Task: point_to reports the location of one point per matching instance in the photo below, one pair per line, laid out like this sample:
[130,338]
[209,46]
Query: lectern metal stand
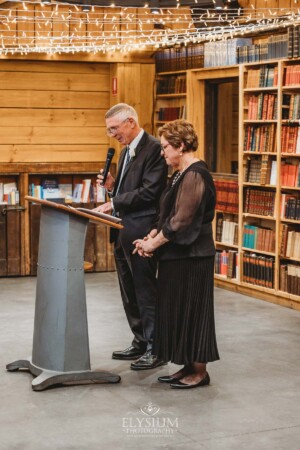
[60,340]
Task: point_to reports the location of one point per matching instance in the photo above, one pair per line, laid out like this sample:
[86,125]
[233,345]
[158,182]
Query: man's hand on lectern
[105,208]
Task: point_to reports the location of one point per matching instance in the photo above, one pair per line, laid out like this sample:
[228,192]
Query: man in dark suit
[134,194]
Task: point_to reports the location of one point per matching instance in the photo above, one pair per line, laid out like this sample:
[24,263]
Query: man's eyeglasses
[112,131]
[163,147]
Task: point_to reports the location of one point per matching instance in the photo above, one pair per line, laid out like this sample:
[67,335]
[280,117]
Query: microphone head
[110,153]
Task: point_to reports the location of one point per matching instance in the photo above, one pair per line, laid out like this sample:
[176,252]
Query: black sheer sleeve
[184,224]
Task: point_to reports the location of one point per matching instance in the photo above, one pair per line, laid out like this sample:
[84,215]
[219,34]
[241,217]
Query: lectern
[60,351]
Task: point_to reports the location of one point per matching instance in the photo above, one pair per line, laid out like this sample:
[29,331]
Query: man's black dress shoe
[180,385]
[147,361]
[167,379]
[127,354]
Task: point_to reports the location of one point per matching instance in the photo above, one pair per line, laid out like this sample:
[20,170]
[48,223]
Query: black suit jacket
[141,186]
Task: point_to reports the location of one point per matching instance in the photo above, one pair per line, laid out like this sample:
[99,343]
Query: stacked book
[226,263]
[171,85]
[290,174]
[227,231]
[258,270]
[260,138]
[274,47]
[290,139]
[291,75]
[259,202]
[259,238]
[291,106]
[262,107]
[171,113]
[227,195]
[290,207]
[264,76]
[290,278]
[223,53]
[290,242]
[179,58]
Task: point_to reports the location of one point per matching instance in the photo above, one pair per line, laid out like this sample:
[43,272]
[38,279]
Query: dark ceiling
[210,4]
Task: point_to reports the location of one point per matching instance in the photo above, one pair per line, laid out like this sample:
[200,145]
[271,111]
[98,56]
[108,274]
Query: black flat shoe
[180,385]
[167,379]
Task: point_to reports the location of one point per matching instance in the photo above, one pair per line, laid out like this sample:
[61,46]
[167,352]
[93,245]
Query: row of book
[9,194]
[179,58]
[259,202]
[291,106]
[227,196]
[228,52]
[290,278]
[259,238]
[261,170]
[171,85]
[262,106]
[223,53]
[260,138]
[267,76]
[275,47]
[290,207]
[293,41]
[84,192]
[258,270]
[227,231]
[290,138]
[290,241]
[290,174]
[264,76]
[226,263]
[291,75]
[171,113]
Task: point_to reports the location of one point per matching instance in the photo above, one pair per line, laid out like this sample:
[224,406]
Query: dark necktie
[125,164]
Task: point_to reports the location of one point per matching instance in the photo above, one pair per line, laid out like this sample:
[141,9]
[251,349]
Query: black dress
[184,325]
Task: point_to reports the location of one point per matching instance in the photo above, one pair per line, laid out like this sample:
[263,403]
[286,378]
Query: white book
[77,193]
[86,184]
[273,175]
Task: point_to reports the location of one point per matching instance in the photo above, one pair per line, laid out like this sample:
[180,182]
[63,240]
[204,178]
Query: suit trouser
[138,285]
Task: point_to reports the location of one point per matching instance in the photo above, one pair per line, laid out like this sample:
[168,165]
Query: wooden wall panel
[53,99]
[53,112]
[52,135]
[53,82]
[52,153]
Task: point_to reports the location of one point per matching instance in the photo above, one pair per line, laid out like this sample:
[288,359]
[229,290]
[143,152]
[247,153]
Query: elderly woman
[183,243]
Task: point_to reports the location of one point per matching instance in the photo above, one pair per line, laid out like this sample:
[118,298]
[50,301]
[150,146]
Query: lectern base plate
[49,378]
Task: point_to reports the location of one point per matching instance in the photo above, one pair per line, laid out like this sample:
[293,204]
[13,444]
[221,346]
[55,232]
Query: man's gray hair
[122,110]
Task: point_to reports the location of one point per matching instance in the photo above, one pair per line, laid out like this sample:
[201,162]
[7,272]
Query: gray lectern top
[93,216]
[60,353]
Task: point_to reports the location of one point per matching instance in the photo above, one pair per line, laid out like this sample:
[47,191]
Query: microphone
[109,157]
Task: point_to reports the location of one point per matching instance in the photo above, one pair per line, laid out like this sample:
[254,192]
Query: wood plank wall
[53,111]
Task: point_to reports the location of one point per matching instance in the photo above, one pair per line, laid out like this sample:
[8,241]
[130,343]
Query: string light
[62,28]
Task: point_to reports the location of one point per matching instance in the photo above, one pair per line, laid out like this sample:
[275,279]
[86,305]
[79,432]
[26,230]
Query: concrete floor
[253,401]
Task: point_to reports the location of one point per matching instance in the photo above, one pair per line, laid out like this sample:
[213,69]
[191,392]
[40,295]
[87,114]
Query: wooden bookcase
[170,97]
[269,122]
[256,165]
[19,224]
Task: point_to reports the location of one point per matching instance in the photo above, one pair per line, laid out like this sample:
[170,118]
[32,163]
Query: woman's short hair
[122,110]
[178,132]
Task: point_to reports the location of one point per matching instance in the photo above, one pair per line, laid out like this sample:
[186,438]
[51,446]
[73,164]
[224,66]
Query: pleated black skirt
[184,324]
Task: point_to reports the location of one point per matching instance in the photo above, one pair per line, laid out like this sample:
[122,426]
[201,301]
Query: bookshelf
[10,225]
[226,228]
[19,223]
[269,177]
[170,97]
